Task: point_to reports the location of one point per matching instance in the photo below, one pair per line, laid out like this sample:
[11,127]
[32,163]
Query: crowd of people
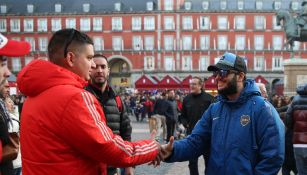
[73,122]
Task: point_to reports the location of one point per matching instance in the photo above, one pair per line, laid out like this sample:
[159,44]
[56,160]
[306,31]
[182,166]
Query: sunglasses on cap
[223,73]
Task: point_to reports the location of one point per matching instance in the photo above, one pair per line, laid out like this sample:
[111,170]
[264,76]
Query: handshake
[165,150]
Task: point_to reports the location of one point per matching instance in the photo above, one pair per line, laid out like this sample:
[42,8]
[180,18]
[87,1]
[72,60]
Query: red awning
[261,79]
[185,84]
[145,82]
[210,84]
[169,82]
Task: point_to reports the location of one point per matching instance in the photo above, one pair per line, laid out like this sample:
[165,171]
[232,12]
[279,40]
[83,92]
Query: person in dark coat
[114,109]
[296,121]
[171,114]
[193,107]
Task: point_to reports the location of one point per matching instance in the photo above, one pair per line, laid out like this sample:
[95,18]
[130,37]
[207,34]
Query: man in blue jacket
[242,130]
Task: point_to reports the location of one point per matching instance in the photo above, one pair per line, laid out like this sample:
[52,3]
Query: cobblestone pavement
[140,131]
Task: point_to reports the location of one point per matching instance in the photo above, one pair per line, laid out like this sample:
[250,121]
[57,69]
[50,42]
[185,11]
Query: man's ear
[241,76]
[70,59]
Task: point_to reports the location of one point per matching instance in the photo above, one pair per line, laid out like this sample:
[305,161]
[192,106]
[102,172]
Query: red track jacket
[63,128]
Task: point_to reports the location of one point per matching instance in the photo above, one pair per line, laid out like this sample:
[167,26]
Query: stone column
[295,72]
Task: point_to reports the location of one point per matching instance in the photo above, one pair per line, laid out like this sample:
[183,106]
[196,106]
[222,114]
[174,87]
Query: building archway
[120,72]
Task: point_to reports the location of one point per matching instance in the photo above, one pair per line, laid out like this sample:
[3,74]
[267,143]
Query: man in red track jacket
[63,128]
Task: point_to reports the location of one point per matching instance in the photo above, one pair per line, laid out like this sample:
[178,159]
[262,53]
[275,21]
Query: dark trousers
[170,129]
[289,162]
[193,165]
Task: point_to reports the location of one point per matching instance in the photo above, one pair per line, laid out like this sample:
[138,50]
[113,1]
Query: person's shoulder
[207,95]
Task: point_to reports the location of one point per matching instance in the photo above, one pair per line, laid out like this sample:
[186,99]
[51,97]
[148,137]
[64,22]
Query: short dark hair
[200,80]
[101,56]
[64,39]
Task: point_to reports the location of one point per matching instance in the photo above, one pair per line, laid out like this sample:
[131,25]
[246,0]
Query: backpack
[119,103]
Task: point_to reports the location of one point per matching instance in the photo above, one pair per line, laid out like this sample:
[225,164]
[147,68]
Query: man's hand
[167,149]
[164,152]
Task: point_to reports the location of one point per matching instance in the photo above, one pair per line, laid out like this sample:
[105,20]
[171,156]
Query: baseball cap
[229,61]
[13,48]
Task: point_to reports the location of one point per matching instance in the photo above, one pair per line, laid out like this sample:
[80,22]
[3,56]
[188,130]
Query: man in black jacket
[193,107]
[113,107]
[8,48]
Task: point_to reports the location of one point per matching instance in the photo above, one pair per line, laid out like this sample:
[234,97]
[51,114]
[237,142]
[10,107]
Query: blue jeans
[301,160]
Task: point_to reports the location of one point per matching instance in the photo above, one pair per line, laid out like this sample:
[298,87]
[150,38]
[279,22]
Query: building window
[97,24]
[205,5]
[222,22]
[240,42]
[97,43]
[28,60]
[259,5]
[85,24]
[204,22]
[294,5]
[149,63]
[187,23]
[149,6]
[187,5]
[187,63]
[277,42]
[137,43]
[58,8]
[204,62]
[169,23]
[56,24]
[32,42]
[136,23]
[205,42]
[277,63]
[277,5]
[259,63]
[260,23]
[169,63]
[149,42]
[168,4]
[42,25]
[15,25]
[240,4]
[239,23]
[223,4]
[187,42]
[259,42]
[275,26]
[43,43]
[149,23]
[86,7]
[71,23]
[16,64]
[296,45]
[168,42]
[3,25]
[222,42]
[30,8]
[117,24]
[28,25]
[117,43]
[3,9]
[118,6]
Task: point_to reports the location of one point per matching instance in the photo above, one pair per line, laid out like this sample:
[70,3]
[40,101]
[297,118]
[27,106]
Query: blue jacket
[245,136]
